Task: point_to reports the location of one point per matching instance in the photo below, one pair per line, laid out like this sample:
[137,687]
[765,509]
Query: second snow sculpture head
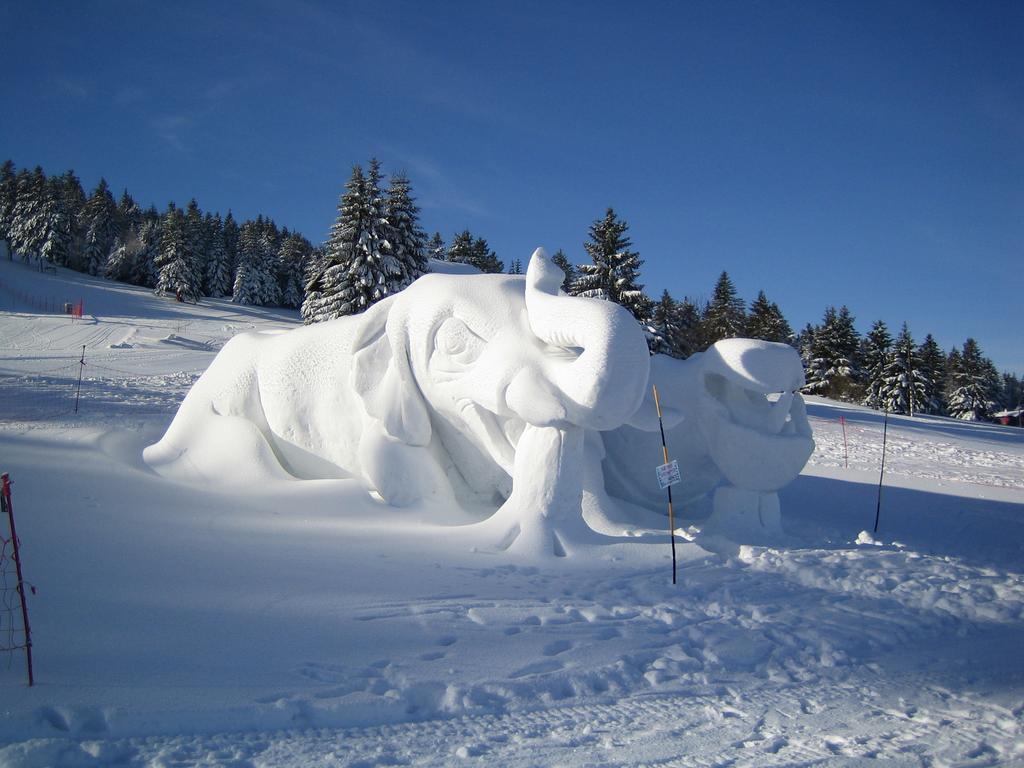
[427,393]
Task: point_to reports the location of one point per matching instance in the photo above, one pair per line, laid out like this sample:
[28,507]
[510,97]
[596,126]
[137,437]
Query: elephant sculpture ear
[383,379]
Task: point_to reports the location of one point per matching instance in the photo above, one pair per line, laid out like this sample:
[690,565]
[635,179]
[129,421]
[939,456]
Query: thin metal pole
[81,367]
[671,514]
[9,508]
[881,474]
[846,452]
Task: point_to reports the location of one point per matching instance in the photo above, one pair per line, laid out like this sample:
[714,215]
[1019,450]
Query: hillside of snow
[308,624]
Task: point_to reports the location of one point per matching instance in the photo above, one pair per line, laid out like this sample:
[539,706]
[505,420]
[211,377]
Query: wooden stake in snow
[881,474]
[668,486]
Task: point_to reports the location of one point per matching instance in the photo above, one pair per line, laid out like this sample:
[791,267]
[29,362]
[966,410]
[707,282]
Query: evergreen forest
[377,246]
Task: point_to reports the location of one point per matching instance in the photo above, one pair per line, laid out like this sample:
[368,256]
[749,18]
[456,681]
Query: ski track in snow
[820,650]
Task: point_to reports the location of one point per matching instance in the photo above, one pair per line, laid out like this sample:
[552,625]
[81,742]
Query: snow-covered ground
[305,624]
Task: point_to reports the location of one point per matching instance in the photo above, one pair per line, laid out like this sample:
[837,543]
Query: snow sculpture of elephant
[737,425]
[464,387]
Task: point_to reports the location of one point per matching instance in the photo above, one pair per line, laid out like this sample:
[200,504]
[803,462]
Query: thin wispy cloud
[434,188]
[172,130]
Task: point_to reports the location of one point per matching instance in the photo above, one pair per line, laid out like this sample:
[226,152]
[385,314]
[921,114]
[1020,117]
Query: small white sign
[668,474]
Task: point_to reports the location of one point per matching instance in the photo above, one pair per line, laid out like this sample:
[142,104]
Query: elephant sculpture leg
[542,516]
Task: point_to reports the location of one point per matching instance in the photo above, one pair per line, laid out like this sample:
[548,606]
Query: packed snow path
[177,625]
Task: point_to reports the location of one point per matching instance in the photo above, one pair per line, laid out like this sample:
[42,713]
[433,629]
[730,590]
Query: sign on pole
[668,474]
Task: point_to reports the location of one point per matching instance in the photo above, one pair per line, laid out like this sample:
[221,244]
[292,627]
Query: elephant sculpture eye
[456,344]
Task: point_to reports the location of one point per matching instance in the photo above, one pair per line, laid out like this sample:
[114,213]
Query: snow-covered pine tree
[832,369]
[28,228]
[293,259]
[196,238]
[1012,393]
[219,279]
[904,387]
[176,268]
[436,248]
[130,214]
[8,199]
[348,278]
[875,351]
[725,316]
[485,259]
[973,384]
[101,225]
[269,245]
[562,261]
[249,279]
[766,322]
[145,271]
[73,200]
[231,235]
[688,339]
[123,258]
[461,249]
[408,240]
[933,367]
[615,270]
[664,331]
[57,235]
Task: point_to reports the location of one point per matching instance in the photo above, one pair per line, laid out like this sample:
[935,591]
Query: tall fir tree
[875,351]
[1011,396]
[358,263]
[465,249]
[563,263]
[101,224]
[231,235]
[196,235]
[328,279]
[129,212]
[832,369]
[933,367]
[516,267]
[268,245]
[460,251]
[904,388]
[766,322]
[293,259]
[256,269]
[218,277]
[484,258]
[177,275]
[408,240]
[73,200]
[28,227]
[665,331]
[436,248]
[725,316]
[688,318]
[614,272]
[8,199]
[144,270]
[972,383]
[57,233]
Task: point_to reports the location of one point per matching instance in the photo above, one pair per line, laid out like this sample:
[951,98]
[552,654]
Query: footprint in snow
[557,647]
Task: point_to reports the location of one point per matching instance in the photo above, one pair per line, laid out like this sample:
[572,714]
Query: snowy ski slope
[304,624]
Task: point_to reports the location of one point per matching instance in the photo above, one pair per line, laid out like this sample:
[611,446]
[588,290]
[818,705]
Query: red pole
[6,480]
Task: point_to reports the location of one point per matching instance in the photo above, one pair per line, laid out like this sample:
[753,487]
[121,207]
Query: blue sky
[863,153]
